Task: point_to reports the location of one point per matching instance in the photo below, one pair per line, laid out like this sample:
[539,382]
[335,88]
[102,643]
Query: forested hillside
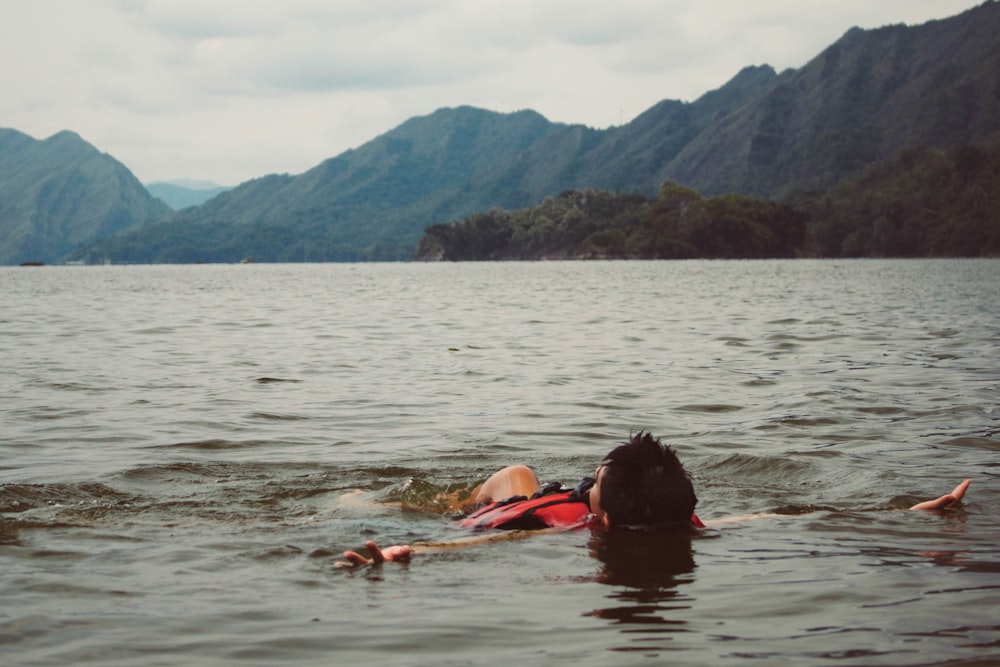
[862,101]
[803,137]
[925,203]
[62,192]
[590,224]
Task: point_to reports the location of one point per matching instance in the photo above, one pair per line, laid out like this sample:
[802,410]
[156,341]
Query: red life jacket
[556,510]
[567,509]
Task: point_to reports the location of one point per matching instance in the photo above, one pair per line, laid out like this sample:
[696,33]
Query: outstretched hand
[399,553]
[947,501]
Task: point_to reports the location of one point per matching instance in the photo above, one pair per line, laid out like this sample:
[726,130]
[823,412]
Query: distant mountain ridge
[860,102]
[184,193]
[373,202]
[59,193]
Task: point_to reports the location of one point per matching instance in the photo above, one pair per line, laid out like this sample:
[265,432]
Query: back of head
[644,484]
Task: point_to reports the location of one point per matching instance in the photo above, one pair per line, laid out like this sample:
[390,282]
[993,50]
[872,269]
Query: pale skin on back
[519,480]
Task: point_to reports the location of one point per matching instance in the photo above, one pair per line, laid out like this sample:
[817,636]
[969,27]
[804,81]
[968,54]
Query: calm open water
[179,446]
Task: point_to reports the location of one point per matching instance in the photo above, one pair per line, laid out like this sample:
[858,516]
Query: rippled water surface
[185,450]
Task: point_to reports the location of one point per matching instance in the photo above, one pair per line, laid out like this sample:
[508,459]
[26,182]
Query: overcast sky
[228,90]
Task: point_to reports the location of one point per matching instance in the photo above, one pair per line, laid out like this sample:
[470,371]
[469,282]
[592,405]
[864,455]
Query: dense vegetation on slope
[679,223]
[62,192]
[928,202]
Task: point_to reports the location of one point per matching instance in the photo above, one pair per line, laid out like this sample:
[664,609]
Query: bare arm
[947,501]
[403,552]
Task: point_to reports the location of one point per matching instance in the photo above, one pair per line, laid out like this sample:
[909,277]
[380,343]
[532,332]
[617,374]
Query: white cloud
[233,89]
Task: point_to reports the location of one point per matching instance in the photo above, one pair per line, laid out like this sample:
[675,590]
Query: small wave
[270,416]
[747,465]
[16,498]
[808,421]
[159,471]
[270,380]
[215,444]
[760,382]
[709,407]
[152,331]
[974,442]
[276,553]
[881,410]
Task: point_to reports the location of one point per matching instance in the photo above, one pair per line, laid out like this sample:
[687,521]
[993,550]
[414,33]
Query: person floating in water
[639,484]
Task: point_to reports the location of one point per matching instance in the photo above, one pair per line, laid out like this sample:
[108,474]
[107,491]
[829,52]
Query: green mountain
[62,192]
[860,102]
[372,203]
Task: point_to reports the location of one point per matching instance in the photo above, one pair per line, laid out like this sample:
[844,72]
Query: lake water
[180,448]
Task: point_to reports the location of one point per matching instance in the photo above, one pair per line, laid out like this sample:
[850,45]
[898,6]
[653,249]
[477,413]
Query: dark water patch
[154,331]
[734,341]
[272,380]
[11,527]
[57,554]
[821,338]
[711,408]
[276,553]
[216,444]
[77,591]
[79,387]
[324,552]
[601,405]
[984,567]
[760,382]
[160,386]
[880,410]
[808,421]
[49,413]
[974,442]
[180,472]
[9,532]
[22,497]
[271,416]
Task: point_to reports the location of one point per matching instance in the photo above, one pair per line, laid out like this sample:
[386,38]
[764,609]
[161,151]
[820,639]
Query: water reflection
[645,570]
[640,559]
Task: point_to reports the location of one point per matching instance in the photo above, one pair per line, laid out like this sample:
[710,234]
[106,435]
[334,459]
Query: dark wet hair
[645,485]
